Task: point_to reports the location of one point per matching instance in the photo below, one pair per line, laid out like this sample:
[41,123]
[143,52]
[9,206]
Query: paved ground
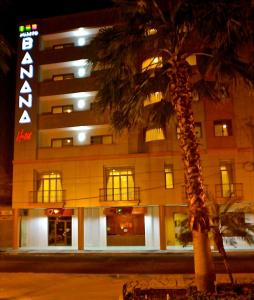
[116,263]
[30,286]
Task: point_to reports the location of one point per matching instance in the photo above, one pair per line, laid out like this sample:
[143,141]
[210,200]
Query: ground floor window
[125,228]
[59,231]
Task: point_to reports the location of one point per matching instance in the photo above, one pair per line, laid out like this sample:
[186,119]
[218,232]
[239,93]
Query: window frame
[62,108]
[62,142]
[222,122]
[47,193]
[120,194]
[171,173]
[100,138]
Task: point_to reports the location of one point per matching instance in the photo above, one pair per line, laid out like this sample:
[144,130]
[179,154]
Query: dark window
[101,139]
[61,46]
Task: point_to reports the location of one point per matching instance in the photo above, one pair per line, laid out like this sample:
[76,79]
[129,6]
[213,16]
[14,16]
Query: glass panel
[67,142]
[57,109]
[50,188]
[169,177]
[60,231]
[107,139]
[151,63]
[226,180]
[222,128]
[56,143]
[153,98]
[67,108]
[154,134]
[96,139]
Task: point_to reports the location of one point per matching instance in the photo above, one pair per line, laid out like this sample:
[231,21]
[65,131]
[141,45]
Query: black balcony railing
[227,191]
[51,196]
[120,194]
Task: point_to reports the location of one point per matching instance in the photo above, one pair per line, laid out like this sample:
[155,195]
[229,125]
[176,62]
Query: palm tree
[150,49]
[227,220]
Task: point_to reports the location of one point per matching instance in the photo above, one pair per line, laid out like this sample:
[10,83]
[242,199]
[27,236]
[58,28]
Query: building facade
[79,185]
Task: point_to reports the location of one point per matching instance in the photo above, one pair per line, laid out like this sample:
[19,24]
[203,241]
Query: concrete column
[16,228]
[81,228]
[162,227]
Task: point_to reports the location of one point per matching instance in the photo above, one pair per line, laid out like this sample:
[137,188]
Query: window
[50,188]
[152,63]
[154,134]
[226,174]
[119,184]
[169,180]
[153,98]
[222,128]
[62,142]
[61,46]
[62,109]
[101,139]
[198,130]
[151,31]
[63,77]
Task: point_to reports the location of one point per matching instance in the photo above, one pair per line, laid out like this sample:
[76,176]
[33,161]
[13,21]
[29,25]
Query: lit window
[198,130]
[169,183]
[192,60]
[151,31]
[101,139]
[226,174]
[62,109]
[222,128]
[120,184]
[154,134]
[50,188]
[60,77]
[62,142]
[153,98]
[152,63]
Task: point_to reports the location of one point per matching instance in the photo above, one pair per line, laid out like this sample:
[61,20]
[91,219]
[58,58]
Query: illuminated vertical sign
[26,74]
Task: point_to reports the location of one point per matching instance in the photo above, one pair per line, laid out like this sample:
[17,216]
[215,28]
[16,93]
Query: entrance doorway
[59,233]
[125,227]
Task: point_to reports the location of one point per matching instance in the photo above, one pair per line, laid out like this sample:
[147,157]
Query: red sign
[23,135]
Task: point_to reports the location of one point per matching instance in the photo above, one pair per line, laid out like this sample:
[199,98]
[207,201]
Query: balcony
[120,194]
[52,197]
[224,192]
[77,118]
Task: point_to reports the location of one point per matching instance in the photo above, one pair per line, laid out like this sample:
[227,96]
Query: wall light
[81,104]
[81,41]
[81,72]
[81,137]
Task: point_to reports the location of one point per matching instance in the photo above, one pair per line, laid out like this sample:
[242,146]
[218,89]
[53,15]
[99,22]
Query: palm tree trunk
[181,96]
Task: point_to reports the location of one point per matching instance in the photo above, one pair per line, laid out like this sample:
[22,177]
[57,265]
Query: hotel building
[79,185]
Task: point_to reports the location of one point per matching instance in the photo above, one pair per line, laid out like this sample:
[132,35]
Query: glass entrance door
[59,233]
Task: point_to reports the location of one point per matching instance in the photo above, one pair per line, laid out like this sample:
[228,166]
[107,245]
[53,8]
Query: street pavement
[85,262]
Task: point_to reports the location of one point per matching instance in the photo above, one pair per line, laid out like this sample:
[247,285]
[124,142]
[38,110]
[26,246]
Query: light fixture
[81,137]
[81,103]
[81,72]
[81,41]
